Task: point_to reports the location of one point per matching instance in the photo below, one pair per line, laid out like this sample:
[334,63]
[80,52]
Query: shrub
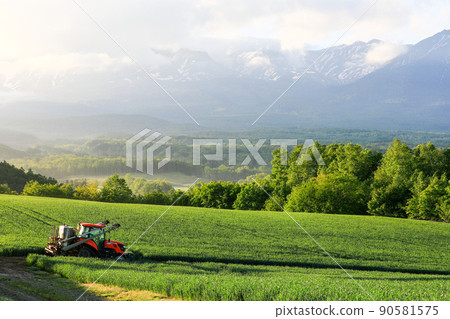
[331,194]
[33,188]
[87,192]
[4,189]
[179,198]
[251,197]
[154,197]
[215,194]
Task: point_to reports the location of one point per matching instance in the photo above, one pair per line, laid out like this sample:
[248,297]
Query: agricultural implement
[90,242]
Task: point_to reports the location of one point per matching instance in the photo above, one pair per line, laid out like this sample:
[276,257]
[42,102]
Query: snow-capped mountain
[344,63]
[187,65]
[435,49]
[339,64]
[371,84]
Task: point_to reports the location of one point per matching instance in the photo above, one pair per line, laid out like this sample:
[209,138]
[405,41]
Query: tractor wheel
[128,256]
[86,252]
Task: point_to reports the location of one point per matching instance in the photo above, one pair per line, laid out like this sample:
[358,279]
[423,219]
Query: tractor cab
[96,232]
[87,230]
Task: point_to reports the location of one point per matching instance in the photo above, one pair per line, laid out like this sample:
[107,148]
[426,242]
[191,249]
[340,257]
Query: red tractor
[90,242]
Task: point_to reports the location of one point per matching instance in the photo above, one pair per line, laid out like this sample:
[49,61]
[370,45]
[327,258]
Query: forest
[403,182]
[13,179]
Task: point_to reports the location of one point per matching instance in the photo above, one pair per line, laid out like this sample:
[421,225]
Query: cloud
[255,60]
[56,76]
[53,63]
[36,28]
[52,36]
[384,52]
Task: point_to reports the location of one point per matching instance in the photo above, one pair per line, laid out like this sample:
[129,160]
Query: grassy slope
[196,234]
[216,281]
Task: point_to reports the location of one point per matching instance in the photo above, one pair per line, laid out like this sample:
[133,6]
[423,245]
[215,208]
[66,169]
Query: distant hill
[91,126]
[14,137]
[7,152]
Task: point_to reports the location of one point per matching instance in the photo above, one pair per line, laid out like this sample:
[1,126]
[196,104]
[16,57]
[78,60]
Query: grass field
[217,281]
[198,234]
[207,247]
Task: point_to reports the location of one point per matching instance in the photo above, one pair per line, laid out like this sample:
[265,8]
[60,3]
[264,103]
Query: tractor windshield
[95,231]
[99,239]
[88,232]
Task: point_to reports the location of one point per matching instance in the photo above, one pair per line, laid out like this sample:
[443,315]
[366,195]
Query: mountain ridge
[375,85]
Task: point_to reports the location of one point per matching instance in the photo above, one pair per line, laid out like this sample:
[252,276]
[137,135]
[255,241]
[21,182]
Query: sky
[51,27]
[54,36]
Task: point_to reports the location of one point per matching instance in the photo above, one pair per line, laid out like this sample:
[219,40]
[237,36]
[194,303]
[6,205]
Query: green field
[227,254]
[217,281]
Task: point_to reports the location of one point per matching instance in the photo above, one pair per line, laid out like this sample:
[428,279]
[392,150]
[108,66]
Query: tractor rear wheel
[127,256]
[86,252]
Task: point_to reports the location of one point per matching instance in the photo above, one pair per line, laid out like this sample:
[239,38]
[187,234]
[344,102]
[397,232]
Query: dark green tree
[278,182]
[215,194]
[179,198]
[251,197]
[352,159]
[392,183]
[16,178]
[444,206]
[154,197]
[299,173]
[428,201]
[431,160]
[116,190]
[330,194]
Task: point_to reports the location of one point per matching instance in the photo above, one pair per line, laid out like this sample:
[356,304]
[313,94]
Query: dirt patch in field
[14,268]
[19,281]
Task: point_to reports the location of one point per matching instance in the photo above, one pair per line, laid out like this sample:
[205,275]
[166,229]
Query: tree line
[61,166]
[403,182]
[13,179]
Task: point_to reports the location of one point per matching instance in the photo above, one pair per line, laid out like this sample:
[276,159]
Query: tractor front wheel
[86,252]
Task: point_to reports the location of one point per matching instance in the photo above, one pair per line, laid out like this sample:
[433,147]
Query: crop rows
[245,237]
[216,281]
